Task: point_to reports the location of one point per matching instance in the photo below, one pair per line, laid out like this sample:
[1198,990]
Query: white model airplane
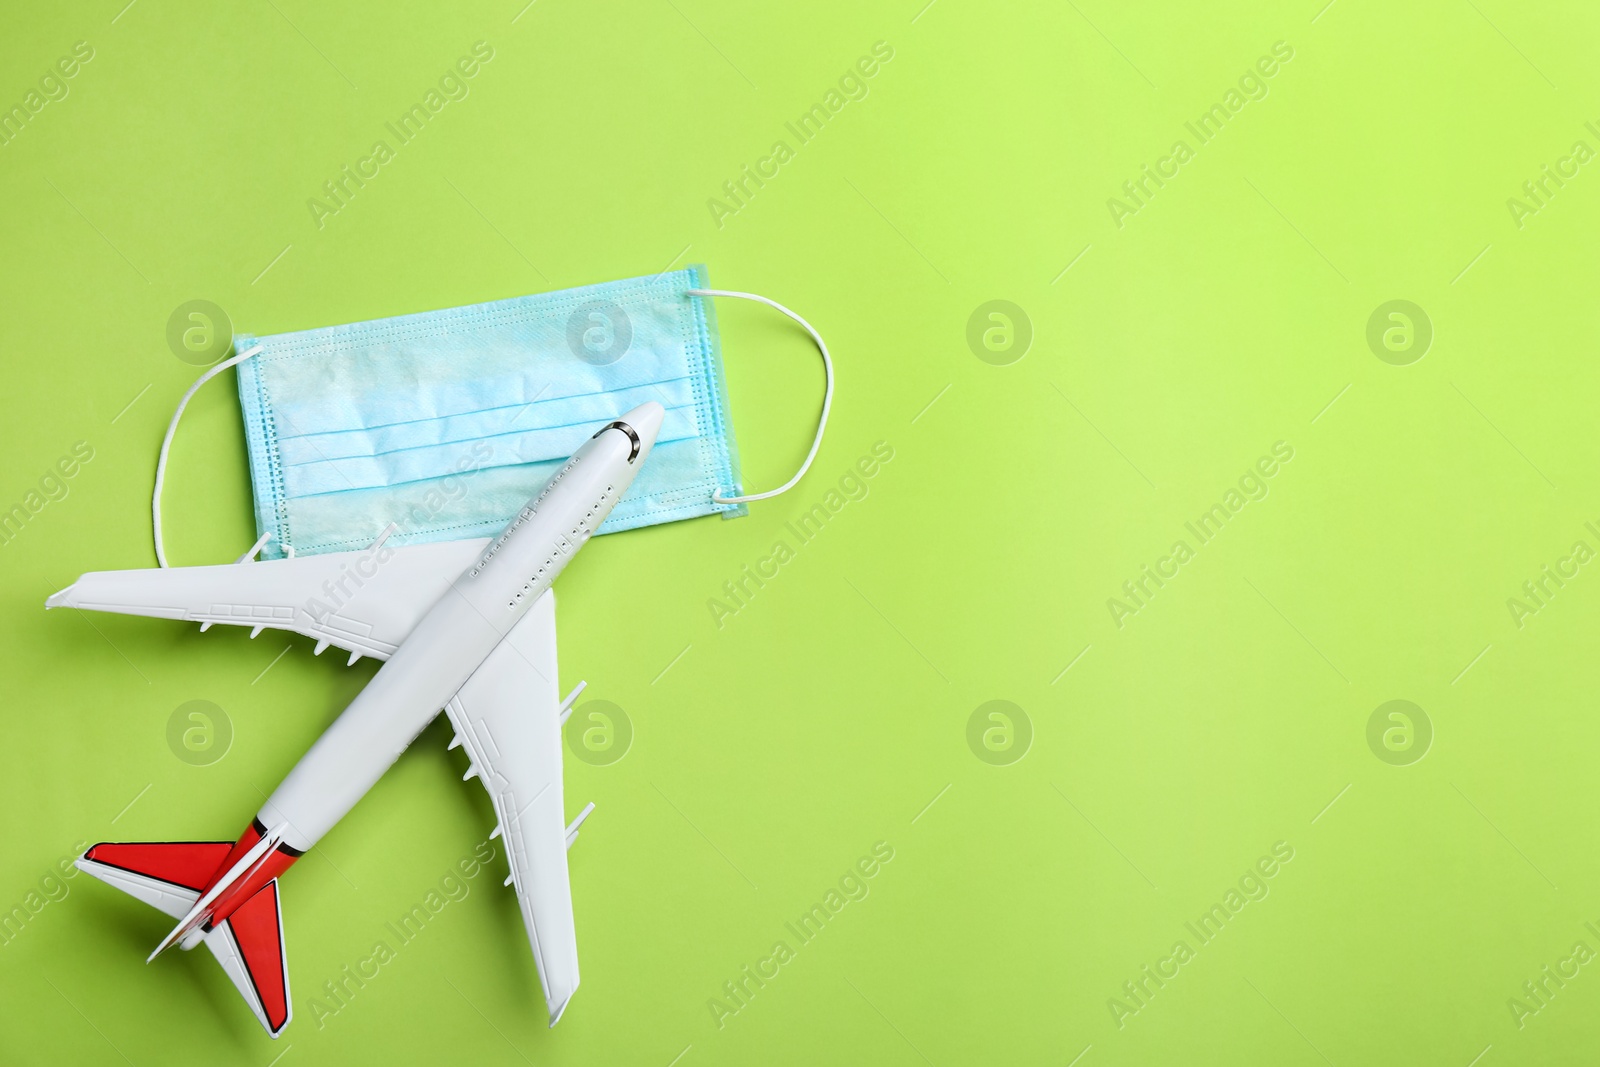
[467,626]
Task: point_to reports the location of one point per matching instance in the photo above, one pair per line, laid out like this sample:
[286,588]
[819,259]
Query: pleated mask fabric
[444,423]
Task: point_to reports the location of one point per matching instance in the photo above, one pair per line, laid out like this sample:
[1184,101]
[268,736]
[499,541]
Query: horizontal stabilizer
[167,875]
[249,945]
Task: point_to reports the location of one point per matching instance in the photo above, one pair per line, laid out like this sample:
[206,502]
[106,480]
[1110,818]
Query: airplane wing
[508,717]
[365,602]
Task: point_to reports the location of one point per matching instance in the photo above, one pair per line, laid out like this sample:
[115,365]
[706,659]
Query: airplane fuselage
[448,644]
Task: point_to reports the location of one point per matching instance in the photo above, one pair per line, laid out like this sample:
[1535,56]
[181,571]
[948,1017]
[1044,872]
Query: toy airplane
[467,626]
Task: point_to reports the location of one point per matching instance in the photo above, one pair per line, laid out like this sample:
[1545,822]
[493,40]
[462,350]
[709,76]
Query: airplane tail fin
[170,876]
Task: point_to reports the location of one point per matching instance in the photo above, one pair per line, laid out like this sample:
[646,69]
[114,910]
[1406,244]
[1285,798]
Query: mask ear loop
[166,445]
[827,396]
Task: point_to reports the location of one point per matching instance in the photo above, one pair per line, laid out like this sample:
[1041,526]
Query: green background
[831,713]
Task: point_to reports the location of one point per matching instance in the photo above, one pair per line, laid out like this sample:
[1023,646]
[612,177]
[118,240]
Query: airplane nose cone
[646,421]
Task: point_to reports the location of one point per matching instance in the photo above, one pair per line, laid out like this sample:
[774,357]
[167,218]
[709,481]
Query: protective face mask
[439,426]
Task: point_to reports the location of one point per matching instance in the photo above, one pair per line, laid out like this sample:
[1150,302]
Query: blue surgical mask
[442,424]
